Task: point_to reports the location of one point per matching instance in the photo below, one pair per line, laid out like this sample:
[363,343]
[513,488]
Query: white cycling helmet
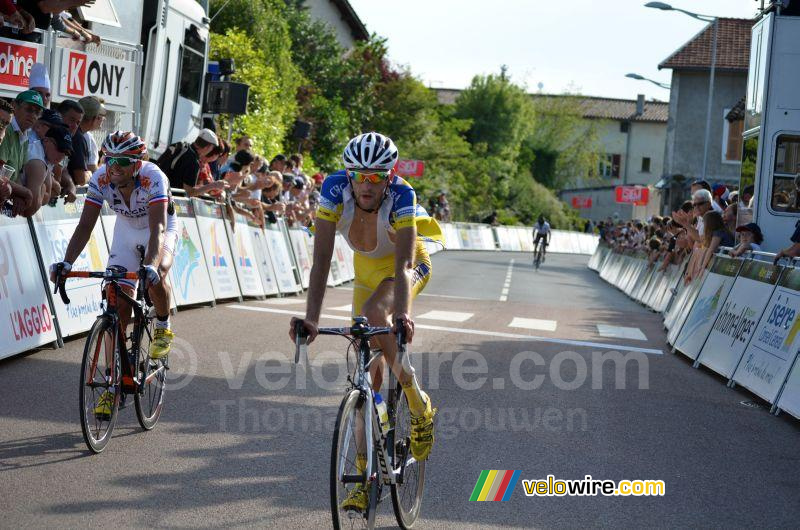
[370,151]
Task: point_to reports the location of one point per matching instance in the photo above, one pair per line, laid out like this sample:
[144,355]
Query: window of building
[646,164]
[732,139]
[609,166]
[624,126]
[786,174]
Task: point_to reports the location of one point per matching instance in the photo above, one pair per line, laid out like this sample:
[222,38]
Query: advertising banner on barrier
[300,247]
[217,251]
[25,319]
[87,74]
[244,258]
[739,316]
[345,256]
[775,342]
[189,275]
[789,399]
[281,260]
[54,228]
[708,304]
[261,251]
[16,59]
[452,239]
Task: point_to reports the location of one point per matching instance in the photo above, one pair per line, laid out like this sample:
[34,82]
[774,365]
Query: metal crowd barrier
[741,319]
[216,258]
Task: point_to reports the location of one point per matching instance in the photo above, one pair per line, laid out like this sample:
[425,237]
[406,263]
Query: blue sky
[584,45]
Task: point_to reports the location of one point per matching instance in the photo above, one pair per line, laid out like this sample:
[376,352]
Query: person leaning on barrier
[77,167]
[38,174]
[751,239]
[17,17]
[28,107]
[181,163]
[10,189]
[793,250]
[270,197]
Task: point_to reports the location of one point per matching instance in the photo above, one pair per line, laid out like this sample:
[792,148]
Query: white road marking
[507,284]
[619,332]
[533,323]
[347,307]
[423,294]
[449,316]
[283,301]
[533,338]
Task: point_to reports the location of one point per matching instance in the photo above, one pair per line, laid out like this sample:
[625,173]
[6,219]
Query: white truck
[150,67]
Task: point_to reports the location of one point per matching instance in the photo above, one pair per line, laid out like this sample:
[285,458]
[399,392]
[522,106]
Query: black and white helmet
[370,151]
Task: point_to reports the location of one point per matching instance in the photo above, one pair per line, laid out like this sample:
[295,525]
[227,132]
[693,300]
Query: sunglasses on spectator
[375,178]
[32,109]
[121,161]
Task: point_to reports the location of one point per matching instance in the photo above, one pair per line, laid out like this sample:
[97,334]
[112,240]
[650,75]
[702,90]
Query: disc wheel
[100,371]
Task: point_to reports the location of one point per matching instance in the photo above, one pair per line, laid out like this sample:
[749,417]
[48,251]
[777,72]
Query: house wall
[687,124]
[326,11]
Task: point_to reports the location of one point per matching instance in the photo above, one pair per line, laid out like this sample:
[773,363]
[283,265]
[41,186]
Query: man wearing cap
[37,176]
[55,146]
[181,163]
[40,82]
[94,114]
[28,106]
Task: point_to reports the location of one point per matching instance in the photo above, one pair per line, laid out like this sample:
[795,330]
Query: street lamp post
[643,78]
[714,23]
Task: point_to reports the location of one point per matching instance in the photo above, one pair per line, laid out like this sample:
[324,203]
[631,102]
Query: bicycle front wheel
[348,442]
[99,389]
[407,492]
[150,401]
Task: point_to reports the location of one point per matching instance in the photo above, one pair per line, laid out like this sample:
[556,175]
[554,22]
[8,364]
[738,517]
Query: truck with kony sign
[149,68]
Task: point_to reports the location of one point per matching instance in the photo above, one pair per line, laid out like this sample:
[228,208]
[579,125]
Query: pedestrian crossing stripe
[495,485]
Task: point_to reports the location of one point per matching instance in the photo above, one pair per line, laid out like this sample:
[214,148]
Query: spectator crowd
[711,220]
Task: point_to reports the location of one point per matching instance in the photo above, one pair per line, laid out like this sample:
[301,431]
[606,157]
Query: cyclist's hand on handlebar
[408,324]
[65,268]
[311,329]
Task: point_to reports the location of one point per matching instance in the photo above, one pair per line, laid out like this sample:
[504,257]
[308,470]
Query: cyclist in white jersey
[138,192]
[541,231]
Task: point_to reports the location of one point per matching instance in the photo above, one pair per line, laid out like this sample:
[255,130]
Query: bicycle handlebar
[359,329]
[108,274]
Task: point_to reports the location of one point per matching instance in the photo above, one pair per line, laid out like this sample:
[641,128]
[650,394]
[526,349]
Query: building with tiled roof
[684,148]
[733,48]
[632,151]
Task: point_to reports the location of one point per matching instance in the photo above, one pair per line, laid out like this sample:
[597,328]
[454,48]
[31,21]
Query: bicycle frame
[373,434]
[112,291]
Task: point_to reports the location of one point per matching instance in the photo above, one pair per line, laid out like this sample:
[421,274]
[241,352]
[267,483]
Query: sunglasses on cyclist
[121,161]
[375,178]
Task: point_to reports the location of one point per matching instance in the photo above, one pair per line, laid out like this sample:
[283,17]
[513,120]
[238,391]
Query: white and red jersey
[151,186]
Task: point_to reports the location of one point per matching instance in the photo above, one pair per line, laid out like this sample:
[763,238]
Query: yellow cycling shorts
[370,272]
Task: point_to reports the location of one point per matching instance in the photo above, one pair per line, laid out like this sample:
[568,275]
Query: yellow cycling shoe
[104,406]
[422,431]
[357,500]
[162,342]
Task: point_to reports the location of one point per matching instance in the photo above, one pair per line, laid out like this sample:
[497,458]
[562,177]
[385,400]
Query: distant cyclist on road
[378,215]
[138,192]
[541,231]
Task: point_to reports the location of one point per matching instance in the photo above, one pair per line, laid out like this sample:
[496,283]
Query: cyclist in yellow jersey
[378,215]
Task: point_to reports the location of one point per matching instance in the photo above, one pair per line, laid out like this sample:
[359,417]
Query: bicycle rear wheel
[100,371]
[343,477]
[407,492]
[150,402]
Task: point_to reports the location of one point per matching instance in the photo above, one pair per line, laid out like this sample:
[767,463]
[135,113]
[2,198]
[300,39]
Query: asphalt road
[245,437]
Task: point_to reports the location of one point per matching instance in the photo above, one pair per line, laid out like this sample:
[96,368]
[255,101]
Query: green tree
[500,112]
[271,108]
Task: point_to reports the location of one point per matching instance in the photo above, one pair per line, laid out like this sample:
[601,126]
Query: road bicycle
[389,460]
[116,364]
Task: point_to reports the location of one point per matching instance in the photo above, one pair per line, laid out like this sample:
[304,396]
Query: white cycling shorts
[123,249]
